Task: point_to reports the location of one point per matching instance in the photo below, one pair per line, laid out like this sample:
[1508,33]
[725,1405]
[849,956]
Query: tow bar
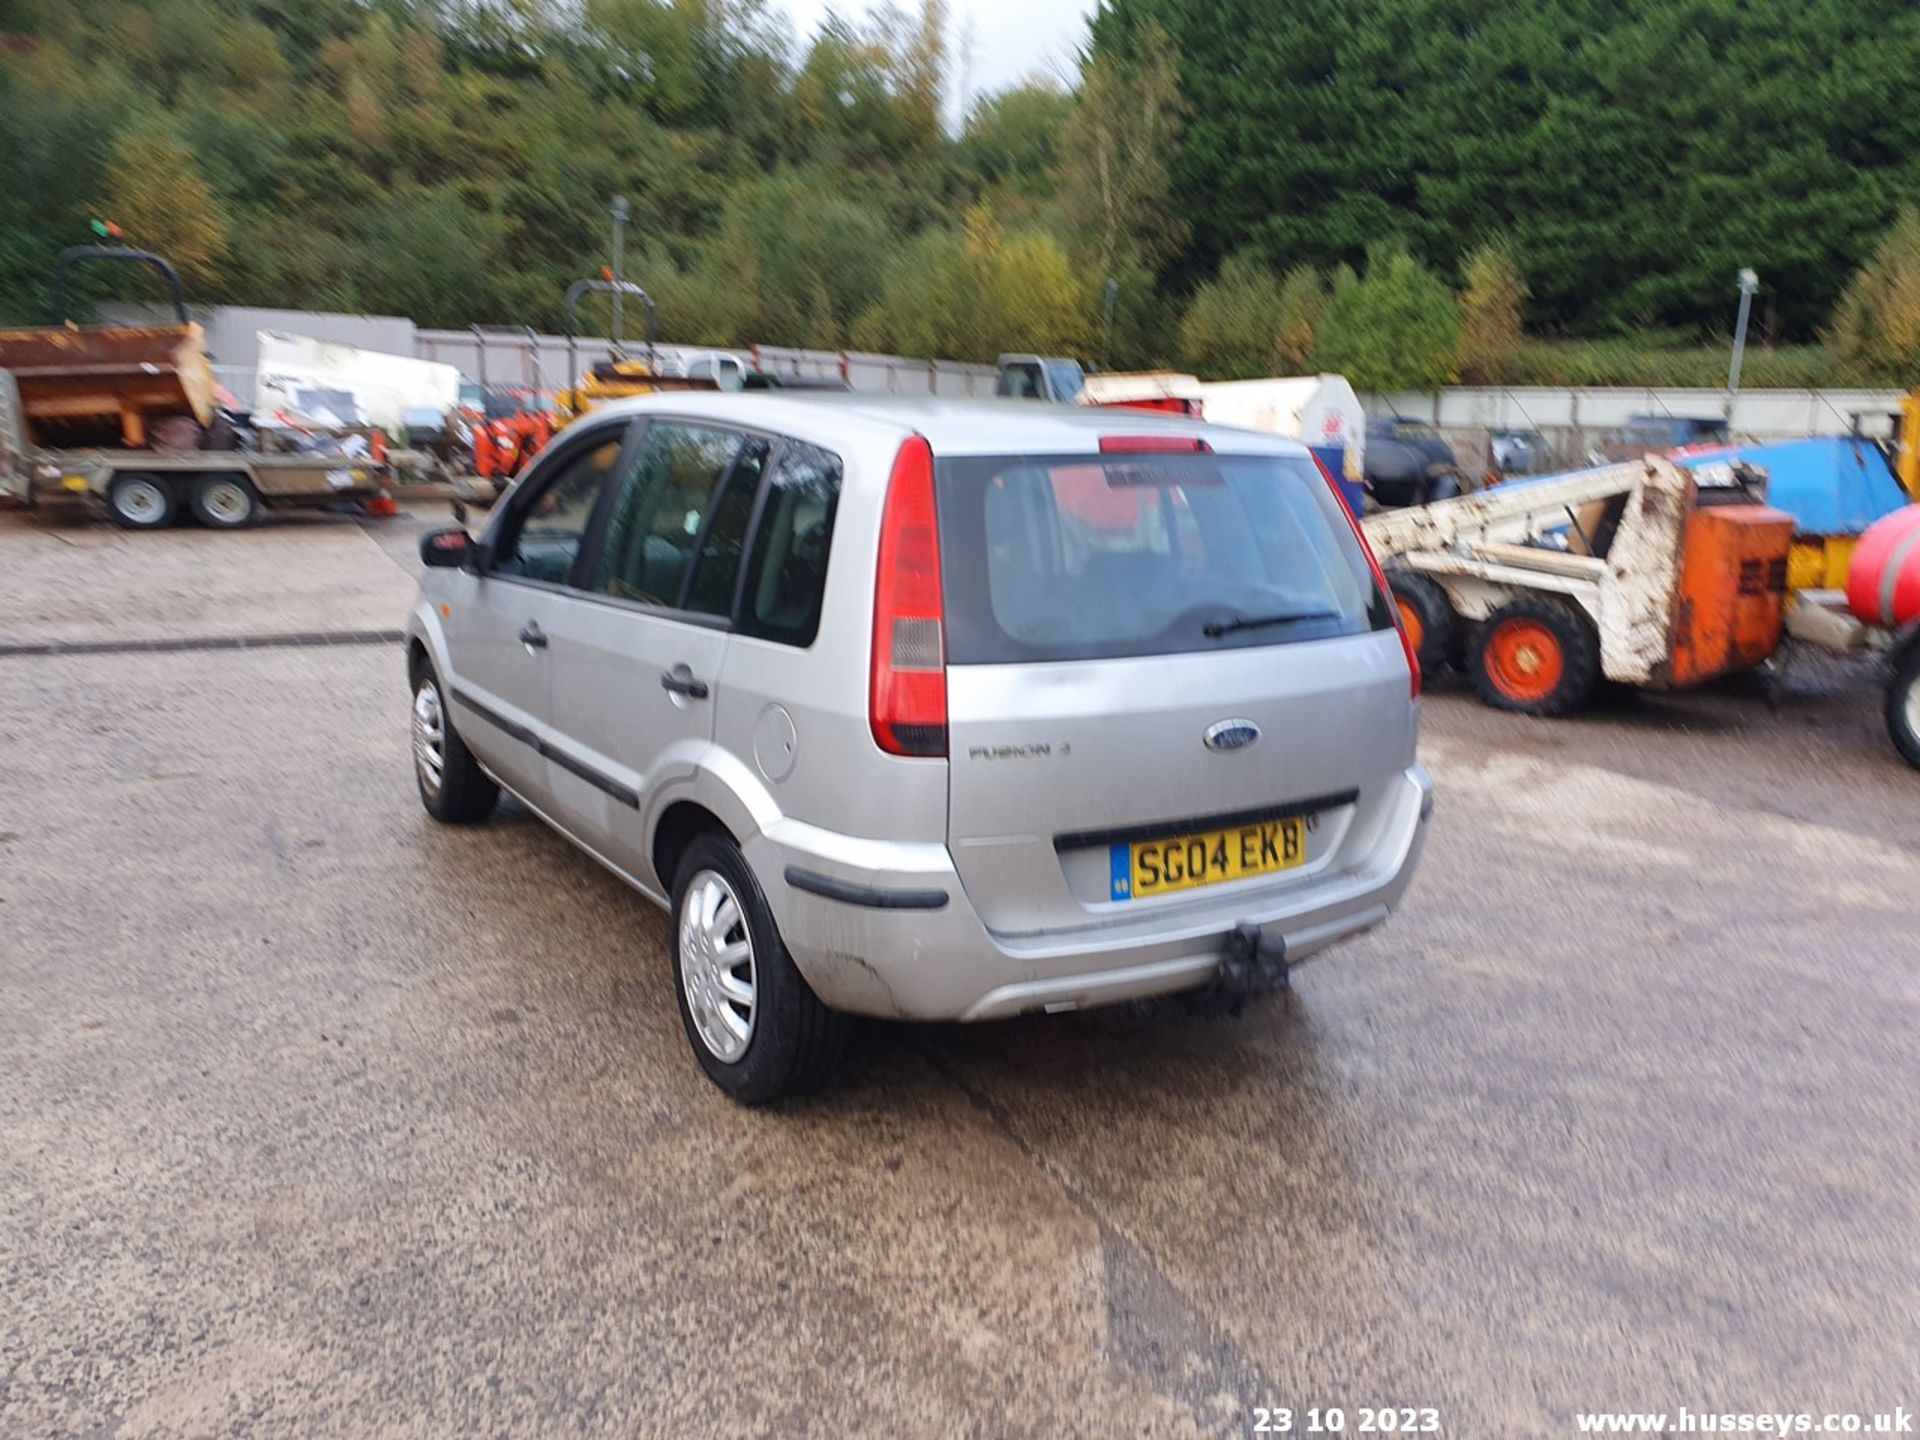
[1252,964]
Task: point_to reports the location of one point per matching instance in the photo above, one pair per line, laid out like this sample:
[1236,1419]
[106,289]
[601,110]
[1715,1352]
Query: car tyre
[1535,656]
[223,501]
[453,788]
[1903,701]
[140,502]
[755,1025]
[1426,614]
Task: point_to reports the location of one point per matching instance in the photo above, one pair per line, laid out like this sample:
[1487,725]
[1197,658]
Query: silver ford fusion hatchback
[930,710]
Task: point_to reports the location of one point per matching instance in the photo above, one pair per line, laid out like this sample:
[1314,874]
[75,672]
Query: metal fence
[522,358]
[507,356]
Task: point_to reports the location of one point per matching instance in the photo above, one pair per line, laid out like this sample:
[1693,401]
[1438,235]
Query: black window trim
[597,522]
[753,535]
[776,446]
[593,539]
[754,521]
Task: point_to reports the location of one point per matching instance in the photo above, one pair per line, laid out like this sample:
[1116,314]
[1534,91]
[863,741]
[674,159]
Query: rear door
[1171,682]
[636,660]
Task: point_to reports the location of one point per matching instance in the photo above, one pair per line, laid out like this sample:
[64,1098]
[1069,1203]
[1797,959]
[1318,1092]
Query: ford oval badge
[1231,734]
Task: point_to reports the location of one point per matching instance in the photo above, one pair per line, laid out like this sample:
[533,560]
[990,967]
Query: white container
[1320,411]
[315,380]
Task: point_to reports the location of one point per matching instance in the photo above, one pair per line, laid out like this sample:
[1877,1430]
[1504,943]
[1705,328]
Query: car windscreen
[1085,557]
[1067,380]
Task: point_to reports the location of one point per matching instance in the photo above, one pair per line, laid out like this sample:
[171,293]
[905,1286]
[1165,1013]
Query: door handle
[684,685]
[532,636]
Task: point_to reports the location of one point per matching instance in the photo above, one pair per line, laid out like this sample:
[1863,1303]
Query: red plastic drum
[1883,582]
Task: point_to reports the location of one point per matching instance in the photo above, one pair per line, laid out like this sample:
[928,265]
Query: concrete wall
[231,329]
[1757,414]
[1575,421]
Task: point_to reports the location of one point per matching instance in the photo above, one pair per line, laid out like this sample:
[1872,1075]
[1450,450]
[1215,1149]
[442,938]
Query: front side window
[1019,381]
[543,534]
[661,516]
[787,576]
[1049,558]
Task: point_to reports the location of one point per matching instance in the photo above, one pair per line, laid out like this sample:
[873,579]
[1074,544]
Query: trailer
[147,488]
[123,418]
[1636,573]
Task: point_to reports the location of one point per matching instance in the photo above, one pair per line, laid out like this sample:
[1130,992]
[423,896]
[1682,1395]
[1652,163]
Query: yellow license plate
[1210,857]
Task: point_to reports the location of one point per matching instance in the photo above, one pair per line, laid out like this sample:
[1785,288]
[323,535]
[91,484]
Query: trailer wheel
[224,502]
[1536,656]
[1903,702]
[1426,614]
[140,502]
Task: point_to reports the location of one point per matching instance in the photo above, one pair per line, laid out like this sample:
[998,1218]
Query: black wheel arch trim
[866,896]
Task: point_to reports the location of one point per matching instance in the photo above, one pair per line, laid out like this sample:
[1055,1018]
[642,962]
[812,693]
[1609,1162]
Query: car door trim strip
[625,794]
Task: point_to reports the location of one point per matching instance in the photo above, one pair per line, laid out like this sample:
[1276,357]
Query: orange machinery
[1733,590]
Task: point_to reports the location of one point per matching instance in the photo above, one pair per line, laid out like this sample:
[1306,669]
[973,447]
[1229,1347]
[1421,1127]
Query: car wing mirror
[451,549]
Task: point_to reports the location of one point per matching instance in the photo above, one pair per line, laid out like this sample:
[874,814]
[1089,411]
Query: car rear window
[1085,557]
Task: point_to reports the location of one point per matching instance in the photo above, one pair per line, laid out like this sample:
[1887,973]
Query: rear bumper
[863,950]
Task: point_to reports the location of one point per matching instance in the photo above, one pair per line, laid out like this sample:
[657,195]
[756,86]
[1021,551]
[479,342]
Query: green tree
[1636,155]
[1012,138]
[1303,300]
[922,74]
[157,194]
[804,257]
[1031,299]
[1394,328]
[928,301]
[1116,150]
[975,292]
[1490,314]
[1247,323]
[431,257]
[1876,325]
[1232,325]
[842,104]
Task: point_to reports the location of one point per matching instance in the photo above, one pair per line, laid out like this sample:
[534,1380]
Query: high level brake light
[1153,445]
[907,704]
[1379,575]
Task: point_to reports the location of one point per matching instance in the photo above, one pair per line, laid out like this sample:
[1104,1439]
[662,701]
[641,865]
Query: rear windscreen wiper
[1220,628]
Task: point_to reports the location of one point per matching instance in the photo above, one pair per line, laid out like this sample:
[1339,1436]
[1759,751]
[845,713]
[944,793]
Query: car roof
[952,425]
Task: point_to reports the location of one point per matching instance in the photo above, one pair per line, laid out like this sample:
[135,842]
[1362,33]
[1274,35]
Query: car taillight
[907,704]
[1153,445]
[1379,575]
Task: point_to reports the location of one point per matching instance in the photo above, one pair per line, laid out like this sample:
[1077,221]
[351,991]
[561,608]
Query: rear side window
[1067,558]
[787,576]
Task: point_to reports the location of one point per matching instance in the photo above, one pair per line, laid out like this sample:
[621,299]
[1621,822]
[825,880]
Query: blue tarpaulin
[1835,485]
